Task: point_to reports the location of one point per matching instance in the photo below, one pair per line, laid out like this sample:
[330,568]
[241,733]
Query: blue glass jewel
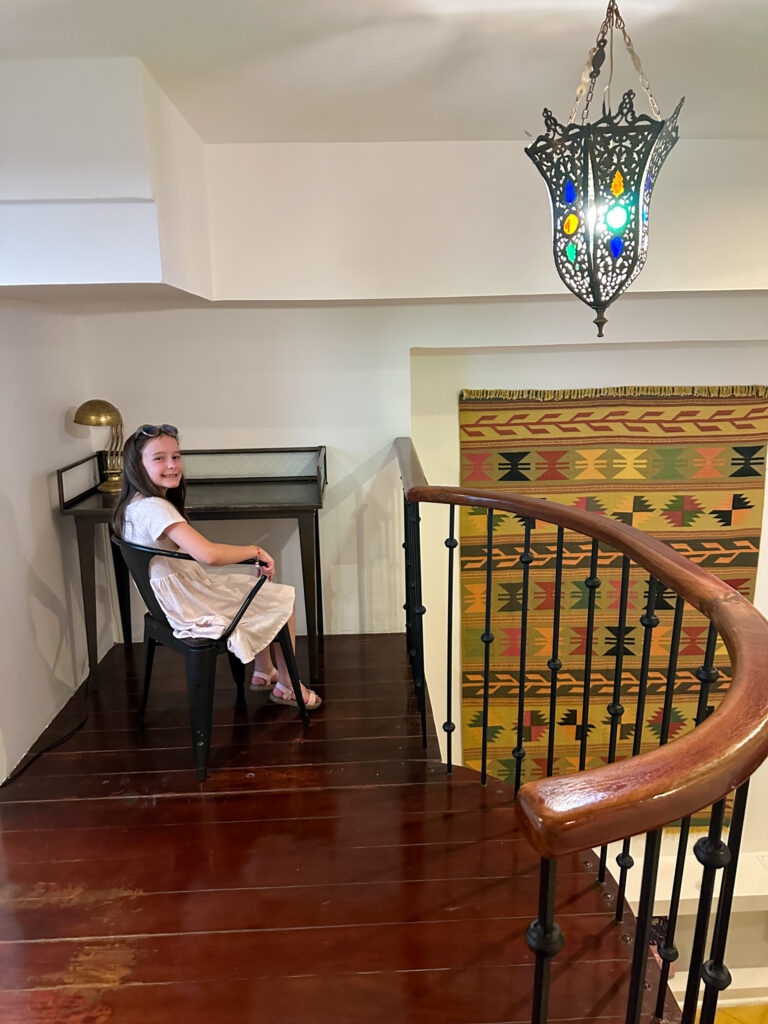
[617,244]
[570,192]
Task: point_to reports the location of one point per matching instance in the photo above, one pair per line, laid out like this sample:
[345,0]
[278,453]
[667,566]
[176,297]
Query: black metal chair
[200,653]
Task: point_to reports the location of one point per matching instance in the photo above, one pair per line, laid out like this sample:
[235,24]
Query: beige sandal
[314,702]
[269,680]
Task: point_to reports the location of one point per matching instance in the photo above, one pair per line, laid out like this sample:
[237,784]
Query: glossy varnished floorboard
[329,875]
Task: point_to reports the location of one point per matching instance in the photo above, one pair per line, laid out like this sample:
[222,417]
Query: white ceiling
[397,70]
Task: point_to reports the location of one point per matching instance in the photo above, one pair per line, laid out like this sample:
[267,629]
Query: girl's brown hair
[136,481]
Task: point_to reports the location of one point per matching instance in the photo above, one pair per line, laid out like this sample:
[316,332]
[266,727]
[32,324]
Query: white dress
[199,604]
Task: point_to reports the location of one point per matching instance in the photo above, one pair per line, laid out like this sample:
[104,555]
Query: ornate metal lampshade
[99,413]
[601,177]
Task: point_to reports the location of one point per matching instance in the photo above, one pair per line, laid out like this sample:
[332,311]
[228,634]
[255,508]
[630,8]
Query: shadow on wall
[374,532]
[41,670]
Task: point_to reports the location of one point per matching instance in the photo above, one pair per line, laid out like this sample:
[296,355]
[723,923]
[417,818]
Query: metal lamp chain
[595,59]
[639,69]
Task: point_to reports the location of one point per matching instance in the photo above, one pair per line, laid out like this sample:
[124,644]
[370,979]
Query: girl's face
[162,461]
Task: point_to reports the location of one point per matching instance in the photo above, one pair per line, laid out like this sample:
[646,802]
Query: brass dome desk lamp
[99,413]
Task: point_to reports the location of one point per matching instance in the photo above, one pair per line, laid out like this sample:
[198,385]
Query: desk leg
[86,530]
[123,583]
[320,623]
[308,562]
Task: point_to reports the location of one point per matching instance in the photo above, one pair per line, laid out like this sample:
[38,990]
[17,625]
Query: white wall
[75,197]
[282,377]
[440,219]
[177,168]
[72,130]
[42,379]
[101,179]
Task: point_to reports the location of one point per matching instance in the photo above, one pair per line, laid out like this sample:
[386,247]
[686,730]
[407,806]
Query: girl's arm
[211,553]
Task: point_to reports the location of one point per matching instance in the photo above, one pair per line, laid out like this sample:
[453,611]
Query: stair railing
[635,795]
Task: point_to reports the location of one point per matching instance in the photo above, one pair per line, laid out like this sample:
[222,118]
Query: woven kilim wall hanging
[684,464]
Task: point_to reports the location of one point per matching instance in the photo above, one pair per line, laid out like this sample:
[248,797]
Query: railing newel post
[415,609]
[408,556]
[448,725]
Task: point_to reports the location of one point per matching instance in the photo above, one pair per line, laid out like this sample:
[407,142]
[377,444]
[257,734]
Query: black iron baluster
[592,583]
[449,725]
[668,952]
[554,664]
[615,708]
[409,583]
[649,620]
[714,972]
[712,853]
[545,938]
[669,691]
[417,610]
[519,752]
[707,674]
[487,639]
[667,949]
[643,926]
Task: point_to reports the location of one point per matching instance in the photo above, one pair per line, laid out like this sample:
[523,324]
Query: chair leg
[149,646]
[284,639]
[238,674]
[201,673]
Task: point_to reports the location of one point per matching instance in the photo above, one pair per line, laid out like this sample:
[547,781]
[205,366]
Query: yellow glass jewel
[617,186]
[571,223]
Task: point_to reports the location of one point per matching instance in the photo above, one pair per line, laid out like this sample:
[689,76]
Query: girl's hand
[267,564]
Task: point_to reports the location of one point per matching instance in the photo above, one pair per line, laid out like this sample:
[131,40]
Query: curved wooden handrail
[575,812]
[411,472]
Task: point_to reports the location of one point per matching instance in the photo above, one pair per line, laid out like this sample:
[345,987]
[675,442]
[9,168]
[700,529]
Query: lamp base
[113,484]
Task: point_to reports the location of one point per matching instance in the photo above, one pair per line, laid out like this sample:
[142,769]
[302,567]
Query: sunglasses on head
[154,430]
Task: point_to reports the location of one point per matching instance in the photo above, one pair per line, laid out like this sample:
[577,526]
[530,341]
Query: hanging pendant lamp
[601,176]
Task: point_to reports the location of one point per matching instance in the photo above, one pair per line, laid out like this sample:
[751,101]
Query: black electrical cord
[31,758]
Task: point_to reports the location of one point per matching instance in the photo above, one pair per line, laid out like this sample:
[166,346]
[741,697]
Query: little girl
[150,512]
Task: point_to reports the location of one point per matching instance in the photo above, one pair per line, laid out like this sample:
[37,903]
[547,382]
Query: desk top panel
[223,500]
[262,496]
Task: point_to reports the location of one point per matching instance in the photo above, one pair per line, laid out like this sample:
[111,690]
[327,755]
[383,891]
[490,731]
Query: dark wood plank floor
[334,874]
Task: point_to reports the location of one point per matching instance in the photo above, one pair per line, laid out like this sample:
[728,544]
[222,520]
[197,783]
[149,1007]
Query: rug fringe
[649,391]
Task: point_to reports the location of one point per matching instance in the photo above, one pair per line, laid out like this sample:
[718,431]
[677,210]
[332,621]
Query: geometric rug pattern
[684,464]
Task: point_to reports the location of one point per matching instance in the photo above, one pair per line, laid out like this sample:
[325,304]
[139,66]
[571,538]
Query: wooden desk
[263,483]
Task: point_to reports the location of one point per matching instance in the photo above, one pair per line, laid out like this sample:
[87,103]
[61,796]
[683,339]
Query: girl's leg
[265,675]
[283,686]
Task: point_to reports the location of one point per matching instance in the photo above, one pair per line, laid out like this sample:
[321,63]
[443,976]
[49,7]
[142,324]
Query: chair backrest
[137,558]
